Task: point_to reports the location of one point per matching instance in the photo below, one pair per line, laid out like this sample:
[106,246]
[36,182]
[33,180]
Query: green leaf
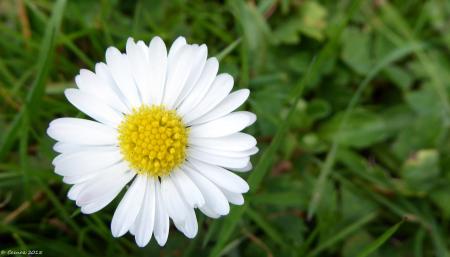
[400,77]
[318,109]
[361,129]
[288,32]
[441,198]
[356,50]
[423,132]
[313,20]
[255,29]
[331,156]
[424,102]
[267,157]
[309,21]
[421,170]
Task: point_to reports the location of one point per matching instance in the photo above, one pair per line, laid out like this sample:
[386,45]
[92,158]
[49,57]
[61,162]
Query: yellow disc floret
[153,140]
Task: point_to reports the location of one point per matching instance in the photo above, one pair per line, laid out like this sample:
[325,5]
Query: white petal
[146,219]
[208,212]
[66,148]
[174,73]
[172,200]
[74,191]
[221,177]
[76,179]
[176,46]
[82,132]
[229,104]
[95,189]
[140,69]
[119,67]
[105,77]
[178,70]
[247,167]
[234,142]
[219,90]
[234,198]
[77,163]
[191,194]
[144,47]
[224,126]
[161,229]
[227,162]
[93,84]
[198,62]
[200,88]
[100,203]
[157,53]
[129,207]
[224,153]
[82,177]
[214,198]
[61,147]
[190,226]
[133,227]
[93,107]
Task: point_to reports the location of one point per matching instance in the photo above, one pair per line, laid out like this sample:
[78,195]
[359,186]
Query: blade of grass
[20,241]
[233,244]
[437,234]
[45,57]
[380,240]
[308,242]
[228,227]
[78,52]
[437,77]
[263,165]
[228,49]
[57,204]
[418,242]
[212,230]
[38,87]
[357,189]
[23,151]
[6,74]
[255,179]
[390,58]
[266,227]
[343,234]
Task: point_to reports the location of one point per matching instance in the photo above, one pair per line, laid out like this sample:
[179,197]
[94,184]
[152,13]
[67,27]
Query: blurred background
[352,99]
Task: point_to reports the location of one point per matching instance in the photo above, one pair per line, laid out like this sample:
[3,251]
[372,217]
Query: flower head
[164,123]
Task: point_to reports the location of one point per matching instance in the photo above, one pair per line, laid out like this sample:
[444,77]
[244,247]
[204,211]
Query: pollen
[153,140]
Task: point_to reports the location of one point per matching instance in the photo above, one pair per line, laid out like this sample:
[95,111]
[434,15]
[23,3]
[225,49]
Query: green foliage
[353,122]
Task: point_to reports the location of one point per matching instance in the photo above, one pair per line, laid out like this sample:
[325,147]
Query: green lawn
[352,99]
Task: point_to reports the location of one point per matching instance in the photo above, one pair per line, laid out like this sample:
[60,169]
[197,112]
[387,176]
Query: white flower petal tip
[137,97]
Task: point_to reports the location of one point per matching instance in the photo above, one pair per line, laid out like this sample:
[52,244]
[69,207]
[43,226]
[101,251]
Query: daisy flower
[164,124]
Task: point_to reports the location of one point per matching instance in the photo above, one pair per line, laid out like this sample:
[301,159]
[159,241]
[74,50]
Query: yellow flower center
[153,140]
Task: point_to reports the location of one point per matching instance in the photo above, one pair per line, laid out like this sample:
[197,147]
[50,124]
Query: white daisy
[163,123]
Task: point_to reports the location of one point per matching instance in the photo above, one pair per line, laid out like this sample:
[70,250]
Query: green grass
[352,99]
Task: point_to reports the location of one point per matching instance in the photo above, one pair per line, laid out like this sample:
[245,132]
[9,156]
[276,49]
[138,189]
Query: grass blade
[37,90]
[228,49]
[395,55]
[380,240]
[266,226]
[266,159]
[343,234]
